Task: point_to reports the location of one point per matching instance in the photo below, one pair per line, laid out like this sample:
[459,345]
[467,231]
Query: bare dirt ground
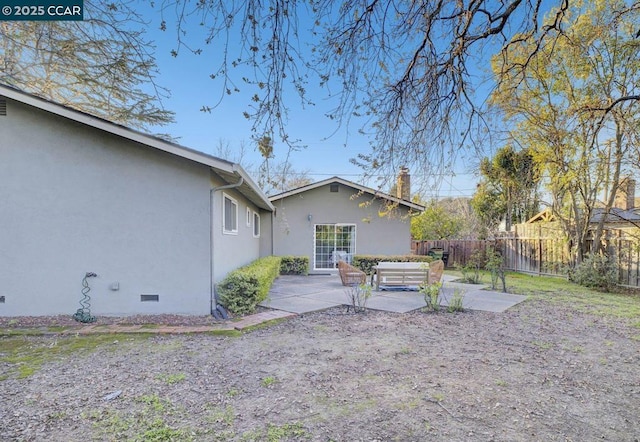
[536,372]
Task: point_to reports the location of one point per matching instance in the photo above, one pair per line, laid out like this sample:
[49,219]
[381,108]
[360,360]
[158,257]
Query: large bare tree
[102,65]
[410,73]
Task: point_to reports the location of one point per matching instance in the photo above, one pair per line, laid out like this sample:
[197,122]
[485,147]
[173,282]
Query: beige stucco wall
[74,199]
[294,232]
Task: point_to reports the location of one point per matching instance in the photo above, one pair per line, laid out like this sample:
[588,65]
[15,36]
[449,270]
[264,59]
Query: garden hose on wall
[84,312]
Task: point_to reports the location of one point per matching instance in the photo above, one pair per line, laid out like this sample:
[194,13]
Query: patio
[305,294]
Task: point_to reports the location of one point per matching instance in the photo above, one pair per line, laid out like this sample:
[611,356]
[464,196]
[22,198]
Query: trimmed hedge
[244,288]
[294,265]
[366,262]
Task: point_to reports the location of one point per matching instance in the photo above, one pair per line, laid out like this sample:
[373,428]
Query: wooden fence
[540,256]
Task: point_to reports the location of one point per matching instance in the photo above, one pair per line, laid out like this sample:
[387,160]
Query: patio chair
[436,268]
[351,275]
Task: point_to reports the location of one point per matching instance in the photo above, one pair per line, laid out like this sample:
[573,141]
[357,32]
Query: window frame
[256,224]
[234,202]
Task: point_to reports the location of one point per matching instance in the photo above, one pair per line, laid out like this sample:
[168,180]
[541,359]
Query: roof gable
[227,170]
[356,186]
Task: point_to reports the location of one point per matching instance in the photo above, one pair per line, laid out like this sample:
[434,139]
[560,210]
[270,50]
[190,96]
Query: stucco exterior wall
[74,199]
[231,251]
[294,229]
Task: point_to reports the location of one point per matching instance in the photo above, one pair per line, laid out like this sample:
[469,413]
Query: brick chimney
[403,185]
[626,194]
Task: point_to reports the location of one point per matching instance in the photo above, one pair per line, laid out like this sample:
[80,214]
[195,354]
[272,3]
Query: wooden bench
[399,274]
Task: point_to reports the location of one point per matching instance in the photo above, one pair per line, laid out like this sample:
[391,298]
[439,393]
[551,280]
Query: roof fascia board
[116,129]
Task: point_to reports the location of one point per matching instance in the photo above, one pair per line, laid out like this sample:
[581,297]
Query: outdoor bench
[400,274]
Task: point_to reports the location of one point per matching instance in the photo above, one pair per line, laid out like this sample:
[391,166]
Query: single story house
[334,219]
[158,223]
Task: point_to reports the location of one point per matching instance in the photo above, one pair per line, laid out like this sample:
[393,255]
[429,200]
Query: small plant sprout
[269,381]
[456,303]
[357,296]
[431,293]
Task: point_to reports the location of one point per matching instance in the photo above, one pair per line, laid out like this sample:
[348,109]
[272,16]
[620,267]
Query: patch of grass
[543,345]
[155,422]
[229,333]
[159,431]
[265,324]
[152,401]
[56,328]
[559,290]
[277,433]
[172,378]
[25,355]
[622,304]
[219,415]
[269,381]
[149,326]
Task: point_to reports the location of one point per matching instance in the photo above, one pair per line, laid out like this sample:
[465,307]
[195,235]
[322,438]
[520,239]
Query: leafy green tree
[488,206]
[508,189]
[435,223]
[100,65]
[576,108]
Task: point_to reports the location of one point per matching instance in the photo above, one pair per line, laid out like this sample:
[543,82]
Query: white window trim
[224,214]
[256,217]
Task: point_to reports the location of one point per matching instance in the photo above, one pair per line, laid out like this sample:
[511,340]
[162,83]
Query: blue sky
[329,147]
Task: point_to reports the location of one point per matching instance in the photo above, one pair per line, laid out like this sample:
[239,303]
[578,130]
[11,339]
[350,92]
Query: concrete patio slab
[298,304]
[305,294]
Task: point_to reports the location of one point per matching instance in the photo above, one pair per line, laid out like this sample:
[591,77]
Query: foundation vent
[149,298]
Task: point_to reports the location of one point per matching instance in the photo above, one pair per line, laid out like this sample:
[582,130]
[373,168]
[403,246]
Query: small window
[229,215]
[149,298]
[1,299]
[256,225]
[334,187]
[248,217]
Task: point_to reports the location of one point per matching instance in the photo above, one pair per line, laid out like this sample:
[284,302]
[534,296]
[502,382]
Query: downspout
[211,193]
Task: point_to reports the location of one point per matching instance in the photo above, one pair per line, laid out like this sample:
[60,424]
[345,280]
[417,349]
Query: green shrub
[471,270]
[597,272]
[294,265]
[246,287]
[367,262]
[495,265]
[431,293]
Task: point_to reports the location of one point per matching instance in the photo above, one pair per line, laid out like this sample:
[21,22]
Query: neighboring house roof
[546,215]
[356,186]
[616,216]
[230,172]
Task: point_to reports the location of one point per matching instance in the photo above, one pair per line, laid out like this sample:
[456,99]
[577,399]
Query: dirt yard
[536,372]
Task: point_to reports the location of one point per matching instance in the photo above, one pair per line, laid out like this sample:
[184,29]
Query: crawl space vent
[3,107]
[149,298]
[334,187]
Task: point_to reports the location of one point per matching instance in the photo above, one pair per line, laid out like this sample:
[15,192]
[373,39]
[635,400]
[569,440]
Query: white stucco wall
[74,199]
[294,232]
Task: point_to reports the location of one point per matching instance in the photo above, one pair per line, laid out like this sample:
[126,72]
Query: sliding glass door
[332,243]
